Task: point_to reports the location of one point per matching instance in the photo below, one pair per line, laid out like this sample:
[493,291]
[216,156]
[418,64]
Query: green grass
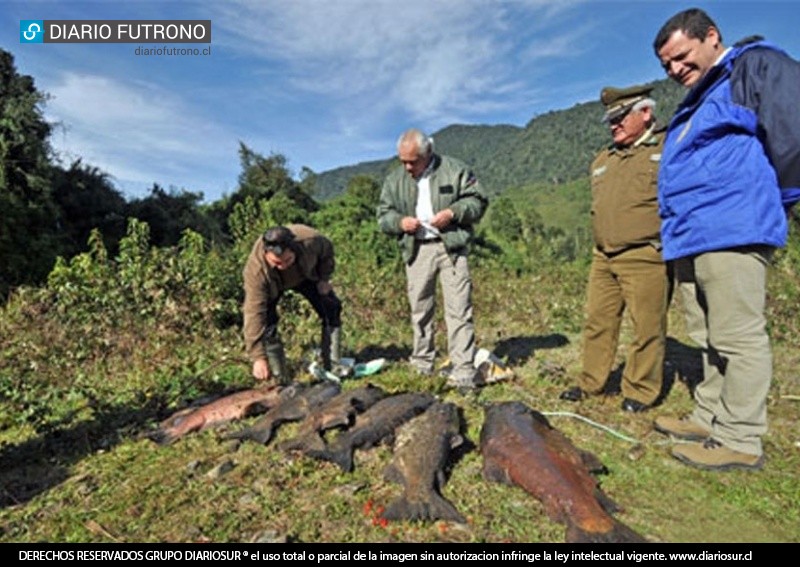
[74,466]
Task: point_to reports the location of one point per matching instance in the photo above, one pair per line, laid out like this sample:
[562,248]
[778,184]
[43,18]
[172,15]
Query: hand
[261,370]
[324,288]
[443,218]
[410,224]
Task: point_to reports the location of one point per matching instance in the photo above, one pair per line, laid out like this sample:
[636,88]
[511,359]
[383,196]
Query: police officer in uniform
[627,269]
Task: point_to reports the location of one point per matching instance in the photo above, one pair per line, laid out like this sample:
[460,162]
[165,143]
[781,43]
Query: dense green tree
[364,190]
[503,221]
[171,212]
[350,218]
[263,178]
[308,181]
[86,200]
[28,220]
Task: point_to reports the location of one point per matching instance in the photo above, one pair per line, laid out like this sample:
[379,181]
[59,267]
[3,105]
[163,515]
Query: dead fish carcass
[339,411]
[222,410]
[520,447]
[422,450]
[291,408]
[373,426]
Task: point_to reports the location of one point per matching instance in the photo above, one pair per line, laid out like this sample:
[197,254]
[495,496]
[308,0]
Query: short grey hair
[423,142]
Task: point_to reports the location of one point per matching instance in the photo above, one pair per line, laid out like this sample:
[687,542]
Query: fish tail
[342,457]
[619,533]
[433,507]
[345,460]
[304,444]
[294,444]
[238,435]
[262,435]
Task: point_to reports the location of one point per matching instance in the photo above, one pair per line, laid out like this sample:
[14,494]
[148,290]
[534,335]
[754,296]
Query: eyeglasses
[618,119]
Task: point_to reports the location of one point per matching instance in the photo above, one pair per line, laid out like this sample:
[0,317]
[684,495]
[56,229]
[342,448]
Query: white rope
[592,423]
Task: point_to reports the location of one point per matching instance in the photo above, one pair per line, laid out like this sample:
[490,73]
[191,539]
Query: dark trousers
[328,308]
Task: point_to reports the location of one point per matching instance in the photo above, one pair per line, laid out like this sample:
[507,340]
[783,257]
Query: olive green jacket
[624,195]
[263,285]
[453,186]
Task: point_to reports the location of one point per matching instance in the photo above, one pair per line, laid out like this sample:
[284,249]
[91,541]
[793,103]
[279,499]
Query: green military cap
[619,101]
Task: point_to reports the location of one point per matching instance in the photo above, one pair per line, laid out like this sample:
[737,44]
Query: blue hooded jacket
[731,161]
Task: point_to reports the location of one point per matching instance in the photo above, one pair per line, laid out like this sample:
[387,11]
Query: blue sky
[329,83]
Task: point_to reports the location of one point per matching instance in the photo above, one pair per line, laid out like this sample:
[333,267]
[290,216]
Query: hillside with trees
[553,148]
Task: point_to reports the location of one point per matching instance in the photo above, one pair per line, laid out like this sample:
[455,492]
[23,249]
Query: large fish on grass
[520,447]
[373,426]
[222,410]
[422,450]
[292,408]
[339,411]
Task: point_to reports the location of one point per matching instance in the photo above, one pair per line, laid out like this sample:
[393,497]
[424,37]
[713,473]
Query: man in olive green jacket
[431,204]
[295,257]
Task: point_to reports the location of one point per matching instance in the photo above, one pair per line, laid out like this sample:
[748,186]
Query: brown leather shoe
[712,455]
[681,428]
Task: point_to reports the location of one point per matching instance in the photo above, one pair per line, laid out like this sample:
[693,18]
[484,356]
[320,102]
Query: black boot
[574,394]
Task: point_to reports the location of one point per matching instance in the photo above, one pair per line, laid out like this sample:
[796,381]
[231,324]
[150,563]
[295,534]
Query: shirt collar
[721,56]
[644,136]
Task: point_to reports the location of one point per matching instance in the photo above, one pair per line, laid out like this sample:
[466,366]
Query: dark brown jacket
[263,284]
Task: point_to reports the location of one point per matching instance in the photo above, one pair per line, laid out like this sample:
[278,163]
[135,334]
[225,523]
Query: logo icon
[31,31]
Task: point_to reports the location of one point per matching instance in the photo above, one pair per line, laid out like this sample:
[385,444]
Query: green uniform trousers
[724,297]
[635,279]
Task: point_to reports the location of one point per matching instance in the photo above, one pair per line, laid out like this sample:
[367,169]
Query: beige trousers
[432,262]
[724,297]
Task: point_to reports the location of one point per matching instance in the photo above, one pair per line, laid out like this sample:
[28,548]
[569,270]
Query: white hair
[423,142]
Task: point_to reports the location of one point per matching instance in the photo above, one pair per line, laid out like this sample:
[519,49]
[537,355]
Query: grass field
[76,467]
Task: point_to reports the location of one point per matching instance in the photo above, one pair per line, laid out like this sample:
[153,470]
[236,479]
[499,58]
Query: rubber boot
[336,344]
[277,363]
[325,347]
[331,346]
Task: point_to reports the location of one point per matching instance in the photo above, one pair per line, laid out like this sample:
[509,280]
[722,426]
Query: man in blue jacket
[729,170]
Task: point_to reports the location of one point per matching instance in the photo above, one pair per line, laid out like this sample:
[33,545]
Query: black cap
[277,239]
[618,102]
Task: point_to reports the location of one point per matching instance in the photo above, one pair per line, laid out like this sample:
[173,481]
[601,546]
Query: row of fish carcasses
[518,446]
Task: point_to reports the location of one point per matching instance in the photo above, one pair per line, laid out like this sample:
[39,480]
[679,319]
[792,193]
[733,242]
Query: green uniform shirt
[625,195]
